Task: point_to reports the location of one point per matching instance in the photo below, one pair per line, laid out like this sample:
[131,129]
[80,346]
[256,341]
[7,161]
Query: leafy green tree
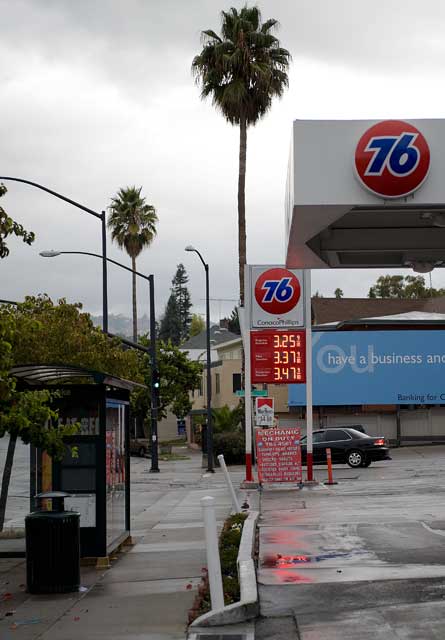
[407,287]
[242,70]
[9,227]
[227,420]
[170,326]
[133,227]
[183,301]
[178,376]
[38,331]
[233,324]
[175,323]
[387,287]
[49,333]
[197,325]
[338,293]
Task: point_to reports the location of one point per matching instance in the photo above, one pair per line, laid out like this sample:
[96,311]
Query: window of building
[217,383]
[236,382]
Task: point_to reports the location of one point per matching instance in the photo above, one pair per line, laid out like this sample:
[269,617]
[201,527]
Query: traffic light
[156,379]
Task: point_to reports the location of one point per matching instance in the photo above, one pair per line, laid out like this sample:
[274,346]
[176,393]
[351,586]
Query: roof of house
[326,310]
[218,335]
[415,319]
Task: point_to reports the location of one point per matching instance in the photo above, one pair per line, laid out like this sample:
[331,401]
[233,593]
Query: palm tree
[242,70]
[133,227]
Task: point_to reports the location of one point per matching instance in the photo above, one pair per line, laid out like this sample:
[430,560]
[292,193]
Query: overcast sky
[98,95]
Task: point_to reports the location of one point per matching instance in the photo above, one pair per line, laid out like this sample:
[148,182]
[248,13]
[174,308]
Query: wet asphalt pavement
[361,559]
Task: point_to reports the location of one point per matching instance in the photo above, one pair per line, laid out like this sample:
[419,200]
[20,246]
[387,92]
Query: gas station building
[371,194]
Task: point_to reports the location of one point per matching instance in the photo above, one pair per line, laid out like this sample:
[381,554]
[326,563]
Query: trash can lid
[53,494]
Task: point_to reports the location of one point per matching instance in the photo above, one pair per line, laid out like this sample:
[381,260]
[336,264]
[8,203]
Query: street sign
[278,357]
[264,412]
[392,159]
[276,297]
[279,455]
[254,393]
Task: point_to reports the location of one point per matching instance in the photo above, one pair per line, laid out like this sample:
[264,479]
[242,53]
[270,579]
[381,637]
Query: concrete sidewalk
[151,586]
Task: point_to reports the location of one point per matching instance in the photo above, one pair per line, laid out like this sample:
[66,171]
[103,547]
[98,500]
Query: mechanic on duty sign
[279,455]
[277,300]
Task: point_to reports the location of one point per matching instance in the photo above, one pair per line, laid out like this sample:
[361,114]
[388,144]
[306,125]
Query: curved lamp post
[154,371]
[210,468]
[102,218]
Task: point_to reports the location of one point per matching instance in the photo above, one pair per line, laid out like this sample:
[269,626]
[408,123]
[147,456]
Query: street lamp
[210,468]
[102,218]
[154,370]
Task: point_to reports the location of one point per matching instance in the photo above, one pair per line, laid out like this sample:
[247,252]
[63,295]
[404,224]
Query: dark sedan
[347,446]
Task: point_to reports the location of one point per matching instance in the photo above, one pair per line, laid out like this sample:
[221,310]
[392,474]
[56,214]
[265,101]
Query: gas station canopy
[366,193]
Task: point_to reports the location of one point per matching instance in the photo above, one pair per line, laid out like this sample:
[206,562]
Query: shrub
[231,445]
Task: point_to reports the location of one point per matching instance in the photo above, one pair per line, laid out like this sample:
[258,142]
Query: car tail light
[379,442]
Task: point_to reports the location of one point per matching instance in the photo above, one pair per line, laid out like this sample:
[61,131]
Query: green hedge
[231,445]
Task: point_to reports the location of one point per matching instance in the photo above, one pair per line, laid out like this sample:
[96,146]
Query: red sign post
[279,455]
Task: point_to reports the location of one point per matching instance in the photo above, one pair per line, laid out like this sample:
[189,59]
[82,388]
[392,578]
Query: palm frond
[244,68]
[132,220]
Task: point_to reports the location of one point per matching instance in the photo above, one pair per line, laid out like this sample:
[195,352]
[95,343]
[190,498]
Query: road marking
[437,532]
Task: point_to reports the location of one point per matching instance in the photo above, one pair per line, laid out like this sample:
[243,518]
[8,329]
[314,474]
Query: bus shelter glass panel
[115,468]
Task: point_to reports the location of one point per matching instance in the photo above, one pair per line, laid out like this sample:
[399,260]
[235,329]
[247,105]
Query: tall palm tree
[242,70]
[133,227]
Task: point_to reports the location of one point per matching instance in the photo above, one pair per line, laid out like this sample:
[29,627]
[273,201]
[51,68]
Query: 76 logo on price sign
[280,290]
[392,159]
[277,299]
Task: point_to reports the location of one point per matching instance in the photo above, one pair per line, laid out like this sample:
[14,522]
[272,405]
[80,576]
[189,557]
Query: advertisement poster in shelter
[279,455]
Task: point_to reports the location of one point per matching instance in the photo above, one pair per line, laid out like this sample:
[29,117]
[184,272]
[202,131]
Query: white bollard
[222,464]
[212,548]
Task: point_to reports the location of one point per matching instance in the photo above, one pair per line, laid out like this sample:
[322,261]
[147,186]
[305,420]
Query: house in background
[226,381]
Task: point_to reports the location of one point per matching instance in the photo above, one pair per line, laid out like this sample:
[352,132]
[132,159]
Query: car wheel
[142,452]
[355,458]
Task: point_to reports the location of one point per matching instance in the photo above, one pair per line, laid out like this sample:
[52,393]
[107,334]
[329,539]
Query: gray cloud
[98,95]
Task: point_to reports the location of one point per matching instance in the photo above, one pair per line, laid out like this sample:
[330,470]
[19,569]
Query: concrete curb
[247,608]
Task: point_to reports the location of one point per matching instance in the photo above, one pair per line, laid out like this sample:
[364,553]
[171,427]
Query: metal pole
[235,503]
[210,468]
[213,561]
[104,274]
[154,391]
[309,421]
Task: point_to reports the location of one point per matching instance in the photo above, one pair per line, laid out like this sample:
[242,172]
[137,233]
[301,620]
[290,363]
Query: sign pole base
[249,476]
[309,463]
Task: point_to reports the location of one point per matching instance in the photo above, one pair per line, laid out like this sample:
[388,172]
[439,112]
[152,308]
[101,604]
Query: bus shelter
[95,470]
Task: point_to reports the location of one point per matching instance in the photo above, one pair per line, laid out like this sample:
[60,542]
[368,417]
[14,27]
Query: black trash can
[52,547]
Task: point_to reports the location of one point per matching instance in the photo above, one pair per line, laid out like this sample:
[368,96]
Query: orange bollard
[329,460]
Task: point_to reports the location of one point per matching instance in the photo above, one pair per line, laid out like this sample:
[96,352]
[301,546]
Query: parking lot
[361,559]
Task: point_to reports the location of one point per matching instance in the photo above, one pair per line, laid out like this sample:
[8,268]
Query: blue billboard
[375,367]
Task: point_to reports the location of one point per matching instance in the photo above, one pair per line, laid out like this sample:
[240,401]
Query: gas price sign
[278,357]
